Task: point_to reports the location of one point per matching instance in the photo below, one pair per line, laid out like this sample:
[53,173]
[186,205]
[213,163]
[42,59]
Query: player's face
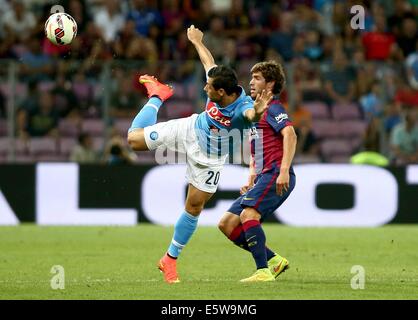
[212,93]
[257,84]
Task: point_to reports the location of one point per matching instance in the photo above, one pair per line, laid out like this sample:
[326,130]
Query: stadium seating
[319,110]
[179,109]
[51,158]
[4,145]
[326,128]
[3,127]
[68,128]
[94,127]
[44,146]
[46,85]
[20,89]
[244,67]
[24,158]
[339,135]
[21,146]
[66,145]
[352,128]
[146,157]
[4,88]
[356,143]
[179,91]
[345,111]
[339,159]
[122,125]
[335,147]
[185,91]
[300,159]
[83,91]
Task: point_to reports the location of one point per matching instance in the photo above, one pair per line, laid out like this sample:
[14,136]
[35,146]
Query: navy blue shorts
[262,196]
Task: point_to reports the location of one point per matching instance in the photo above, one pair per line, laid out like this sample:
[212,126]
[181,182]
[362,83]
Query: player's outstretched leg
[183,231]
[156,88]
[157,94]
[230,225]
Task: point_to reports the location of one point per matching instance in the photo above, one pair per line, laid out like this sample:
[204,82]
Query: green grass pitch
[120,263]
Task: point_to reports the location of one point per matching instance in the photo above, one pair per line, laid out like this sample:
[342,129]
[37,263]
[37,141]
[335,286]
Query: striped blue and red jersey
[266,139]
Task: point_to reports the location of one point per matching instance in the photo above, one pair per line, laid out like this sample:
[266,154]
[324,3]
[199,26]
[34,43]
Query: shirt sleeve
[277,118]
[246,105]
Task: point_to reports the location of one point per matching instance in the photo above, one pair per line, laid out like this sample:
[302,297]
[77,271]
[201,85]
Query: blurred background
[348,91]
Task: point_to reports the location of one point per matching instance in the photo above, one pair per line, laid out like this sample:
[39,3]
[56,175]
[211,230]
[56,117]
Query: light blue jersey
[214,125]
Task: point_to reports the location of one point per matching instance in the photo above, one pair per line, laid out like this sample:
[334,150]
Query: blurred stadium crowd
[347,90]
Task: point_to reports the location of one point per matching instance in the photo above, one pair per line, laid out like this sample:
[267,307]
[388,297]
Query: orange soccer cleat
[167,266]
[156,88]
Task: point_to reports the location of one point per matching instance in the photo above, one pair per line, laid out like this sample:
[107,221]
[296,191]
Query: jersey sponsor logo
[214,113]
[153,135]
[253,133]
[281,117]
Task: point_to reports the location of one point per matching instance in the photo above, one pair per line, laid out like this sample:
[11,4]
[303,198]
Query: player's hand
[282,183]
[194,34]
[245,188]
[249,184]
[261,102]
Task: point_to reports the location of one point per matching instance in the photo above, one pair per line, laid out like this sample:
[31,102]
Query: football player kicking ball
[271,179]
[199,136]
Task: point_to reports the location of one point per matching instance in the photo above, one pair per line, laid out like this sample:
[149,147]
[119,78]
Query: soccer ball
[60,28]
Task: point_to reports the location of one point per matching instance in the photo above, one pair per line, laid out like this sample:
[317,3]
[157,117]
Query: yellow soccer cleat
[277,265]
[261,275]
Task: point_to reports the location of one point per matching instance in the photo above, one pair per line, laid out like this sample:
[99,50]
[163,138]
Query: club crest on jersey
[153,135]
[214,113]
[281,117]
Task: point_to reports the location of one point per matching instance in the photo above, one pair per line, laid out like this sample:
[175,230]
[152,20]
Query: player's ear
[270,86]
[222,92]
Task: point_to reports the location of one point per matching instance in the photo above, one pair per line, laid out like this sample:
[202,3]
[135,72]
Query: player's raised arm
[196,37]
[260,105]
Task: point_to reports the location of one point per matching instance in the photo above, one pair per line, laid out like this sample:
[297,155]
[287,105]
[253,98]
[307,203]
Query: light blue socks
[148,114]
[183,231]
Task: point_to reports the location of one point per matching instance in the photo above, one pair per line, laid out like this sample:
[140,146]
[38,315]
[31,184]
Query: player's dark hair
[271,71]
[224,78]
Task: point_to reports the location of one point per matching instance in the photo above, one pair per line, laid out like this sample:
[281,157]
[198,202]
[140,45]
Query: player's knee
[194,208]
[228,223]
[136,140]
[249,214]
[132,141]
[223,225]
